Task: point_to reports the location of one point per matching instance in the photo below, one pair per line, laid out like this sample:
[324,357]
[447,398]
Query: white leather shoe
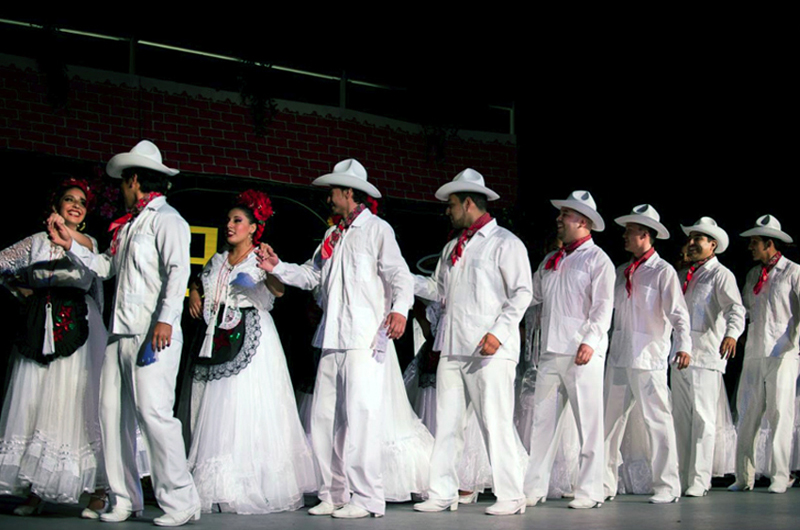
[178,518]
[584,504]
[740,486]
[506,507]
[435,505]
[776,488]
[323,508]
[663,498]
[696,491]
[533,501]
[117,515]
[351,511]
[469,498]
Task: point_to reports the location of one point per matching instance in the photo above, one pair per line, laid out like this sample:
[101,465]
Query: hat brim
[598,225]
[716,232]
[769,232]
[123,161]
[443,193]
[661,230]
[347,181]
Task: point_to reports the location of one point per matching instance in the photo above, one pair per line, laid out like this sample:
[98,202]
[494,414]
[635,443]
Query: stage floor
[719,510]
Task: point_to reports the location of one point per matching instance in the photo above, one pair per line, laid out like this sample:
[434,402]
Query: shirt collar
[362,218]
[487,229]
[156,203]
[780,265]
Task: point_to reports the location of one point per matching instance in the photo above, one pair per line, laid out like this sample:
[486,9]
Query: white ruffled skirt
[249,452]
[50,424]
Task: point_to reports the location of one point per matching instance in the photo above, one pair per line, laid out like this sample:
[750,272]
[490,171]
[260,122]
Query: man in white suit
[648,306]
[575,284]
[717,320]
[769,373]
[149,256]
[483,280]
[366,291]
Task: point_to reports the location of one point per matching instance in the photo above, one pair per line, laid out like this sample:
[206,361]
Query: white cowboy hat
[144,154]
[467,180]
[646,215]
[582,202]
[349,174]
[768,225]
[709,227]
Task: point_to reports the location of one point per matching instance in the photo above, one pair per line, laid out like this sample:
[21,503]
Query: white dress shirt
[774,313]
[152,269]
[486,291]
[715,310]
[644,321]
[366,263]
[578,300]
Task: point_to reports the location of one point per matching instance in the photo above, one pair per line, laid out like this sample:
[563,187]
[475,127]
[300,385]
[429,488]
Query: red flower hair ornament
[258,202]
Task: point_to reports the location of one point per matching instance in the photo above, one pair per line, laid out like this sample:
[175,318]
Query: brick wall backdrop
[213,135]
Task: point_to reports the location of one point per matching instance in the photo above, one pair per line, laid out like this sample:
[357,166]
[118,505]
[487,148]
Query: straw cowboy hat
[145,154]
[467,180]
[582,202]
[645,215]
[709,227]
[768,225]
[349,174]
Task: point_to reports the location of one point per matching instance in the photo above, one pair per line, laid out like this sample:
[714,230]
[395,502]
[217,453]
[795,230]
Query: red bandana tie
[552,263]
[765,272]
[696,265]
[330,242]
[466,235]
[635,265]
[117,225]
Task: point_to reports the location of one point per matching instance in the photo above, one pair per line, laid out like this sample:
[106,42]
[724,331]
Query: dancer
[769,372]
[50,428]
[717,320]
[648,306]
[249,453]
[366,293]
[483,279]
[149,256]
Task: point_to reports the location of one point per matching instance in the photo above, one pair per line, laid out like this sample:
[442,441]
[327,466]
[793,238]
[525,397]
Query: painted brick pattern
[206,136]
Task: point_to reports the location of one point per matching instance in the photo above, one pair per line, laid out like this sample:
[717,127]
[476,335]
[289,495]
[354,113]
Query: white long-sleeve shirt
[486,291]
[643,323]
[364,280]
[715,311]
[152,269]
[578,300]
[774,312]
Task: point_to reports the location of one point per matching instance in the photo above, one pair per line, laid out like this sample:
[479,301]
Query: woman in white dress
[249,454]
[50,447]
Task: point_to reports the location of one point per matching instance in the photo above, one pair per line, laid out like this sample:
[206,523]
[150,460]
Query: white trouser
[695,394]
[346,428]
[624,387]
[148,393]
[766,386]
[489,385]
[560,379]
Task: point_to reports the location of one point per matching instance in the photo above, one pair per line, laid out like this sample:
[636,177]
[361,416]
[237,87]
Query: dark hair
[248,212]
[479,199]
[653,233]
[359,196]
[149,180]
[777,243]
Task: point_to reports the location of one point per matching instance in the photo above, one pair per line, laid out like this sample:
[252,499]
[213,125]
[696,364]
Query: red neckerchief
[466,235]
[330,242]
[765,272]
[117,225]
[635,265]
[552,263]
[696,265]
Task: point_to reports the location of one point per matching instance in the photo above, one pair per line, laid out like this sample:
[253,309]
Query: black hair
[149,179]
[479,199]
[248,212]
[359,196]
[777,243]
[653,234]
